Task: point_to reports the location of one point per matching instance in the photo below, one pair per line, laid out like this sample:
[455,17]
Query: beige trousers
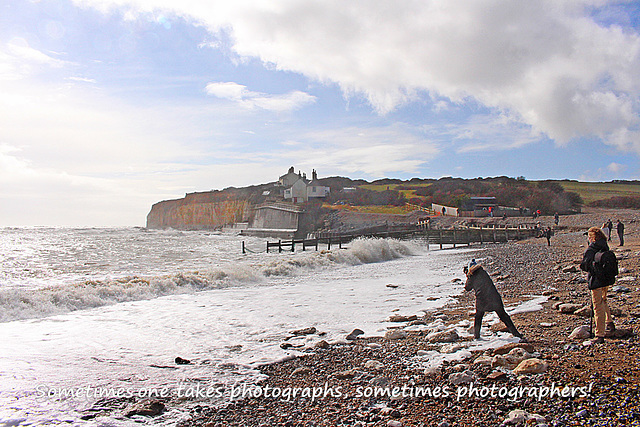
[601,309]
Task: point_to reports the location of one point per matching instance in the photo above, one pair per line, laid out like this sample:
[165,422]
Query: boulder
[305,331]
[395,334]
[497,376]
[399,318]
[519,354]
[322,344]
[580,333]
[508,347]
[531,366]
[568,308]
[520,417]
[148,408]
[584,312]
[373,364]
[451,348]
[180,361]
[444,336]
[483,360]
[343,375]
[354,334]
[462,377]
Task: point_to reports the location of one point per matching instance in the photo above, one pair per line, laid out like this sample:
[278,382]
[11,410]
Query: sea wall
[198,211]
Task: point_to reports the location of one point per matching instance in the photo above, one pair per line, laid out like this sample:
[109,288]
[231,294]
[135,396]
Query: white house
[289,178]
[315,189]
[302,190]
[297,192]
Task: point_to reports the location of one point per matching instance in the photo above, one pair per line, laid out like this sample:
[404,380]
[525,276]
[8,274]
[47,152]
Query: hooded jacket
[599,245]
[487,296]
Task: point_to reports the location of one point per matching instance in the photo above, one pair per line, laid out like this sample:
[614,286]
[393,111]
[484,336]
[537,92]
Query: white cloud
[375,152]
[249,99]
[18,60]
[546,63]
[616,168]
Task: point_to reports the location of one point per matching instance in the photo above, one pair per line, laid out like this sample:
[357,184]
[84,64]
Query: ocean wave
[21,303]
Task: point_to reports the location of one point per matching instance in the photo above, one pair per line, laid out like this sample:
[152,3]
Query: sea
[93,316]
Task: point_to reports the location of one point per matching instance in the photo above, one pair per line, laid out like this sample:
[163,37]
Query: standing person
[598,287]
[610,227]
[548,233]
[620,228]
[556,218]
[487,298]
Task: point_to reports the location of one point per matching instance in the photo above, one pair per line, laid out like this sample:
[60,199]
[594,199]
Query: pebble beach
[556,378]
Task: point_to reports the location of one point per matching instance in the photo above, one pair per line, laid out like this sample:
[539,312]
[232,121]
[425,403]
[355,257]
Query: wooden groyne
[452,237]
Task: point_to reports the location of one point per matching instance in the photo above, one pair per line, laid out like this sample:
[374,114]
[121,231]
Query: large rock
[354,334]
[400,318]
[580,333]
[395,334]
[568,308]
[462,377]
[584,312]
[483,360]
[343,375]
[531,366]
[147,408]
[304,331]
[444,336]
[373,364]
[528,347]
[520,417]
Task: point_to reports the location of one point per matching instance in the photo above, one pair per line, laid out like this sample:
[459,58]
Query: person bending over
[487,299]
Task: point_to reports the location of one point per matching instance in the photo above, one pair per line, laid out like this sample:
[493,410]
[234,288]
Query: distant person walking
[610,227]
[598,288]
[620,229]
[487,298]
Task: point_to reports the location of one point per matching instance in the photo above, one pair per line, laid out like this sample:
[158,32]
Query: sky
[109,106]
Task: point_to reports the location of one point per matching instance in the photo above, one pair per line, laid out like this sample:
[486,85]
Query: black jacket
[487,296]
[587,262]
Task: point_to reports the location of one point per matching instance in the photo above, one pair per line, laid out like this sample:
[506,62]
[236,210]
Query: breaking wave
[20,303]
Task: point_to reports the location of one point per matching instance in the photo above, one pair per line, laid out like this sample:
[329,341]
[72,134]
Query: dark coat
[587,261]
[487,296]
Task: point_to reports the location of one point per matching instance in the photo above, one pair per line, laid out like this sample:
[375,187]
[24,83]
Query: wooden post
[267,247]
[329,243]
[427,236]
[279,245]
[293,245]
[440,234]
[316,243]
[339,241]
[243,251]
[454,237]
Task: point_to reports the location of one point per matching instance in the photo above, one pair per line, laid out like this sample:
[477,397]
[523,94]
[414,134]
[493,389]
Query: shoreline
[602,378]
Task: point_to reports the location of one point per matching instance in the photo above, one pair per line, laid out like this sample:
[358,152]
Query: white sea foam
[24,303]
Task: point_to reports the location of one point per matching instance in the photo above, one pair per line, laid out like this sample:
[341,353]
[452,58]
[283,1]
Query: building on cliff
[302,190]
